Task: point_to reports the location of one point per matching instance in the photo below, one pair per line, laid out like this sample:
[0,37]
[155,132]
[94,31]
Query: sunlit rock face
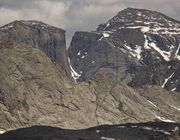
[39,35]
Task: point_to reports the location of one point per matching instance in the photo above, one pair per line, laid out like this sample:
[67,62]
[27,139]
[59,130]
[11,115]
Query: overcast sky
[78,15]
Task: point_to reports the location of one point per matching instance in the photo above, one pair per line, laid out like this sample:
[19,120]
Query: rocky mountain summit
[137,47]
[37,34]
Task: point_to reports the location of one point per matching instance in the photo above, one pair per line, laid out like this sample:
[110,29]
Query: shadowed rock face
[143,131]
[47,38]
[155,73]
[136,47]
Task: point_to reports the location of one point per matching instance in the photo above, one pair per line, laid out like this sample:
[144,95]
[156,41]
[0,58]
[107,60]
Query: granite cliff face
[47,38]
[137,47]
[33,90]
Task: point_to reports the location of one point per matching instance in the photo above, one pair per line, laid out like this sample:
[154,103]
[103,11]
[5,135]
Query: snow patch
[173,88]
[135,27]
[123,50]
[93,62]
[36,23]
[156,130]
[164,119]
[175,108]
[97,131]
[137,21]
[10,26]
[146,45]
[6,27]
[74,74]
[105,35]
[152,103]
[145,29]
[79,53]
[167,79]
[138,52]
[165,132]
[134,126]
[164,54]
[105,138]
[147,128]
[175,129]
[129,48]
[83,56]
[135,53]
[121,126]
[176,54]
[2,131]
[107,25]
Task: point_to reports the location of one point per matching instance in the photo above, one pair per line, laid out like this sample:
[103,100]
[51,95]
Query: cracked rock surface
[33,90]
[47,38]
[137,47]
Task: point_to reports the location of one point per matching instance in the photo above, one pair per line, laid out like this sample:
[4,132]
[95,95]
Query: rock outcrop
[137,47]
[33,90]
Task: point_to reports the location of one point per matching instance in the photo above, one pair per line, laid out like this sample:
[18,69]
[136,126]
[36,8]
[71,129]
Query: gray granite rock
[34,91]
[131,47]
[47,38]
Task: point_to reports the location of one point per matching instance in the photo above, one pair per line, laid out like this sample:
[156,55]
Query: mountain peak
[37,34]
[29,23]
[131,9]
[132,42]
[141,13]
[152,21]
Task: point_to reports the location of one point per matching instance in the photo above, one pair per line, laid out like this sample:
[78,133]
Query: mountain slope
[33,90]
[129,44]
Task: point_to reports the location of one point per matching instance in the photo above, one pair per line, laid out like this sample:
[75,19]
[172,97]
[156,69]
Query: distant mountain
[137,47]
